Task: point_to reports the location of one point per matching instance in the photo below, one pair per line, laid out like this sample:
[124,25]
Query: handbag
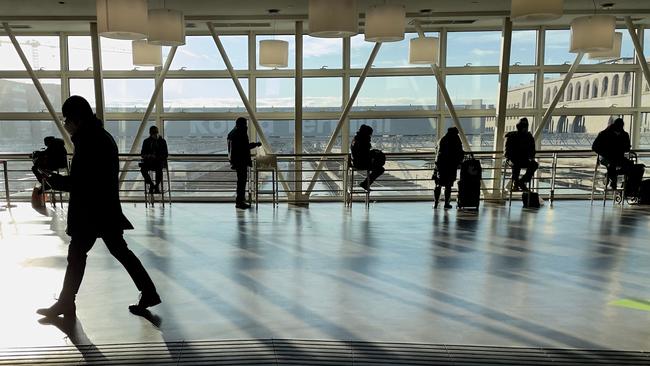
[38,198]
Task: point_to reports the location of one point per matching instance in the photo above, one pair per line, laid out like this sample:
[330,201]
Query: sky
[200,53]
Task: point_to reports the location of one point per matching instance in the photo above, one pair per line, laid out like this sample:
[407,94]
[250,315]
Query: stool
[507,165]
[52,192]
[266,163]
[150,198]
[618,193]
[351,187]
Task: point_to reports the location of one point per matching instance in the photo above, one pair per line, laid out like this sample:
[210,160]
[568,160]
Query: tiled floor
[400,272]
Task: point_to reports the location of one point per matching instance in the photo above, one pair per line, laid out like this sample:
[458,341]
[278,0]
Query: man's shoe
[146,300]
[364,185]
[59,308]
[243,206]
[448,206]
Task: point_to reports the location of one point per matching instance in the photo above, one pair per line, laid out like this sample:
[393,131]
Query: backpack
[511,145]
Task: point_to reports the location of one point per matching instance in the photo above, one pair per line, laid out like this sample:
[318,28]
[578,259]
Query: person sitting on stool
[54,157]
[365,158]
[154,157]
[611,144]
[450,155]
[520,151]
[239,156]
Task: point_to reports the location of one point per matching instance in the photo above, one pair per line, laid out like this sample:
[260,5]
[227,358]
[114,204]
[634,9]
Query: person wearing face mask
[611,144]
[520,151]
[154,157]
[94,209]
[239,156]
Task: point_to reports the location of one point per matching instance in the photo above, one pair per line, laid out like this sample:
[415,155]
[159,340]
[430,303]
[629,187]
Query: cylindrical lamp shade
[145,54]
[333,18]
[423,50]
[615,52]
[122,19]
[274,53]
[594,33]
[385,23]
[166,27]
[536,10]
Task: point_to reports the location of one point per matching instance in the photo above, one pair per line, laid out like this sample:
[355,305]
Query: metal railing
[208,177]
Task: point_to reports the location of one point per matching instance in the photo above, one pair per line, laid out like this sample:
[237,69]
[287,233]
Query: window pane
[475,48]
[80,53]
[400,134]
[203,95]
[200,53]
[478,130]
[41,52]
[473,91]
[84,88]
[391,54]
[197,137]
[116,55]
[292,50]
[585,90]
[645,132]
[396,92]
[322,94]
[25,136]
[521,91]
[127,95]
[321,53]
[20,95]
[124,133]
[280,135]
[576,131]
[559,41]
[524,47]
[275,94]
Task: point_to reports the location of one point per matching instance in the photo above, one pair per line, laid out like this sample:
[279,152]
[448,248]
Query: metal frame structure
[345,73]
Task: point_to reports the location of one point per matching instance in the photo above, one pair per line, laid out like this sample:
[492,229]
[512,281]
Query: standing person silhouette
[450,155]
[239,154]
[94,209]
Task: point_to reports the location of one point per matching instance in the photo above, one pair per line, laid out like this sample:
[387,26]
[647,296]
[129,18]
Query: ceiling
[233,15]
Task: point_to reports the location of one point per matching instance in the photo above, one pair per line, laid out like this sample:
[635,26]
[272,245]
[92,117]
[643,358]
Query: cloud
[481,52]
[316,47]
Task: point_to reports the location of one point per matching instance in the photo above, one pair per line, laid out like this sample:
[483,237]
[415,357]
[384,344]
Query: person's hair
[48,140]
[618,123]
[241,122]
[365,130]
[522,123]
[152,128]
[453,130]
[78,109]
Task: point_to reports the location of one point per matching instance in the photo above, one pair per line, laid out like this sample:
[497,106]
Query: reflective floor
[572,275]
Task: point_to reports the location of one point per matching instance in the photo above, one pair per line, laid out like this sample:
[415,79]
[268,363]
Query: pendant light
[333,18]
[423,50]
[385,23]
[536,10]
[166,27]
[593,33]
[614,53]
[274,52]
[145,54]
[122,19]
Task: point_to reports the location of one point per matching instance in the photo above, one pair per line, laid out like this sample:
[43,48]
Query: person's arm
[164,152]
[252,145]
[59,182]
[628,145]
[144,151]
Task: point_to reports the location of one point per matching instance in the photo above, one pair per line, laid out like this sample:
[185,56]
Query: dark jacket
[157,148]
[239,149]
[56,155]
[360,150]
[94,207]
[450,155]
[610,145]
[520,146]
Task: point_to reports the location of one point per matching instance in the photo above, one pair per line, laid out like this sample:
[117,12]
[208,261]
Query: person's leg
[242,176]
[159,175]
[144,169]
[531,168]
[375,172]
[612,174]
[38,174]
[118,248]
[436,195]
[516,170]
[77,254]
[448,195]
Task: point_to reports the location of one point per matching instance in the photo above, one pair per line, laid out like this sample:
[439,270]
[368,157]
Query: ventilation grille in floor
[307,352]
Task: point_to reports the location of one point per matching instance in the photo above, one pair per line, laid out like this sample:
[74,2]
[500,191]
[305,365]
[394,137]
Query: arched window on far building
[603,91]
[569,93]
[587,90]
[554,91]
[578,91]
[547,96]
[615,85]
[594,89]
[627,79]
[523,100]
[530,98]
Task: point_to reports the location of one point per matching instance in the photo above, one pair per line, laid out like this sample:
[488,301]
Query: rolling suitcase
[469,185]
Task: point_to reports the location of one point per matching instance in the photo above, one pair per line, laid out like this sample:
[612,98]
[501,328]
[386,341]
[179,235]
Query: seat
[52,193]
[267,163]
[150,198]
[600,175]
[350,184]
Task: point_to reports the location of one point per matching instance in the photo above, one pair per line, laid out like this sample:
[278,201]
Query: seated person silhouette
[54,157]
[520,152]
[154,157]
[366,158]
[450,155]
[611,144]
[239,155]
